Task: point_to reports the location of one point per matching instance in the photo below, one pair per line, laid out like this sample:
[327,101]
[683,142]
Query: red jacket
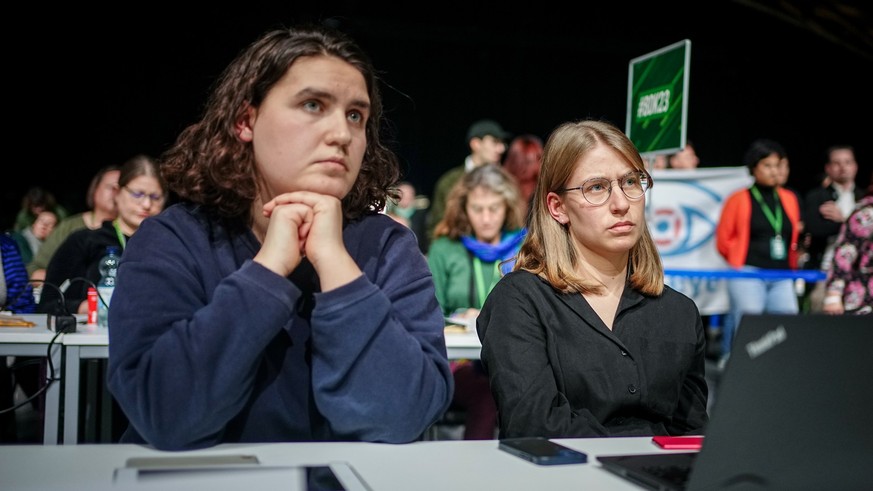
[734,226]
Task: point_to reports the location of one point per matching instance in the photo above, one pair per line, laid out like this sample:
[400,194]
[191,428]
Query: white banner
[683,209]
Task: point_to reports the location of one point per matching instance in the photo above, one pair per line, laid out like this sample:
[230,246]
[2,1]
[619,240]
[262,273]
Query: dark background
[88,88]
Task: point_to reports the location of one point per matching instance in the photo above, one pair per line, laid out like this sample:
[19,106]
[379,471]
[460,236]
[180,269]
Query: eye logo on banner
[682,211]
[688,223]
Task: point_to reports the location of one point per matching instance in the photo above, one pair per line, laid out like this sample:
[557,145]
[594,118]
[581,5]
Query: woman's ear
[556,208]
[245,124]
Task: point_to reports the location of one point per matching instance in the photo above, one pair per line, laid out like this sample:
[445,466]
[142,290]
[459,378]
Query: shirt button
[632,389]
[623,353]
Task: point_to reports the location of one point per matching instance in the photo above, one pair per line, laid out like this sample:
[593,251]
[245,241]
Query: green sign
[657,103]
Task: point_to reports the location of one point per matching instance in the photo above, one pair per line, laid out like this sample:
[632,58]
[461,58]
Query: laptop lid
[794,406]
[792,410]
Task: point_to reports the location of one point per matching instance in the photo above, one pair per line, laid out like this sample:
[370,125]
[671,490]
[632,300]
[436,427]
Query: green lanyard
[121,239]
[481,291]
[774,219]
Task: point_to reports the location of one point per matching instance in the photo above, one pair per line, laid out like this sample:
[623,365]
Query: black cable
[80,279]
[51,376]
[48,381]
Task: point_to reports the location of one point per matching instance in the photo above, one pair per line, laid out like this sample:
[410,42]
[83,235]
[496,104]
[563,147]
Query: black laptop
[793,410]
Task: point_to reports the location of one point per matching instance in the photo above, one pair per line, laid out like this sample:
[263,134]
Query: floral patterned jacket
[851,276]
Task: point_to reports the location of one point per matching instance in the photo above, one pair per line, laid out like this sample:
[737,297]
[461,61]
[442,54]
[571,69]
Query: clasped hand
[302,224]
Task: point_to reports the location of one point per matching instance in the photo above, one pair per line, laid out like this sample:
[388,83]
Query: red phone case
[679,442]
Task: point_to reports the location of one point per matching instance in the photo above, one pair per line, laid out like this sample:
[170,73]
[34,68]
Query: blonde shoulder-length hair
[548,249]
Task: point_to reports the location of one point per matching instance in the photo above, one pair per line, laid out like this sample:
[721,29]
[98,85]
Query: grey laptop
[793,410]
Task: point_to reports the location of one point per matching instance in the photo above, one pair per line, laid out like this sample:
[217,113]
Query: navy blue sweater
[208,346]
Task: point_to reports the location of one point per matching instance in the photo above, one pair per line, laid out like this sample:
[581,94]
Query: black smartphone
[542,451]
[205,471]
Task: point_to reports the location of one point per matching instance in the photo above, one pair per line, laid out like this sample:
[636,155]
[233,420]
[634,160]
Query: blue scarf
[509,244]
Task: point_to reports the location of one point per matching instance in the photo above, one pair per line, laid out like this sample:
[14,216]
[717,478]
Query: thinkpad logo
[766,342]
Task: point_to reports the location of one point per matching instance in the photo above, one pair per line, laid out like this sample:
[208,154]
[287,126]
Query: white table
[463,345]
[34,341]
[422,466]
[89,341]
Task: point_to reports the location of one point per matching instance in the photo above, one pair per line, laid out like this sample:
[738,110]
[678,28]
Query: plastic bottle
[108,268]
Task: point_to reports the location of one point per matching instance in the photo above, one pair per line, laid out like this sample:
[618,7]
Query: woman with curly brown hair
[275,302]
[481,232]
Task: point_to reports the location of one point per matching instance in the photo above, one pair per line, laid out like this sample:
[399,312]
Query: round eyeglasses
[598,189]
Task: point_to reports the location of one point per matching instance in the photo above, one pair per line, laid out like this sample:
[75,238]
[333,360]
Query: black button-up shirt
[557,371]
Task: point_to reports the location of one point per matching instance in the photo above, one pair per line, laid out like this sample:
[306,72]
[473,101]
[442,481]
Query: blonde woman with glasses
[582,338]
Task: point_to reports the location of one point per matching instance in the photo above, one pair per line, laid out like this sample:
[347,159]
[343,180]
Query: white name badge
[777,247]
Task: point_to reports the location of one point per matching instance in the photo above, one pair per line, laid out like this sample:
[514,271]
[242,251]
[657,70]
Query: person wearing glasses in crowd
[583,338]
[141,194]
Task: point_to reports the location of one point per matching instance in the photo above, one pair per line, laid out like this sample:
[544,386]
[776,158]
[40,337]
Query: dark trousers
[8,433]
[473,396]
[26,372]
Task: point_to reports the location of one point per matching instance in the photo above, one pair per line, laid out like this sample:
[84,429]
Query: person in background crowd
[15,296]
[657,162]
[684,159]
[825,209]
[523,160]
[849,285]
[757,231]
[403,208]
[29,241]
[31,238]
[487,142]
[410,210]
[100,198]
[274,294]
[141,195]
[37,199]
[482,227]
[783,171]
[583,338]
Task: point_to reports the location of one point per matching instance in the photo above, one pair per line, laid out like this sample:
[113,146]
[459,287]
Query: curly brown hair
[210,165]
